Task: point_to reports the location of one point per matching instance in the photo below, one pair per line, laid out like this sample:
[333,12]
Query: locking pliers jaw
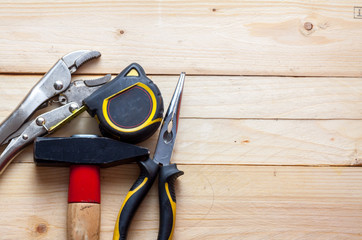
[76,59]
[55,81]
[20,130]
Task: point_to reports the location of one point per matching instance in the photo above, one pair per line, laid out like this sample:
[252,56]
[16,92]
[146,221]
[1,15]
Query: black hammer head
[85,149]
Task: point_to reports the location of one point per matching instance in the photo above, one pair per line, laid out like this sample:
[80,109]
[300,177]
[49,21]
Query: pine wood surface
[245,97]
[213,202]
[199,37]
[250,142]
[270,135]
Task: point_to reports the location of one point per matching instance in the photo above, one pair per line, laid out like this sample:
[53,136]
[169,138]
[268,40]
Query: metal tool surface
[20,129]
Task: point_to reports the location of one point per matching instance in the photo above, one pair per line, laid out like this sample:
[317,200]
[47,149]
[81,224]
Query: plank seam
[246,165]
[192,75]
[275,119]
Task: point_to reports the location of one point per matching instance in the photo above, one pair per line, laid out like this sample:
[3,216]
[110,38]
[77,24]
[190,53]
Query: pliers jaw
[76,59]
[19,130]
[55,81]
[167,136]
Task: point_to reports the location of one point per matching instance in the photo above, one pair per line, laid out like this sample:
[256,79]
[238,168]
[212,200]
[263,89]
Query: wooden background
[270,137]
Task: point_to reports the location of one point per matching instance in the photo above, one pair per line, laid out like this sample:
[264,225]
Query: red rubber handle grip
[84,184]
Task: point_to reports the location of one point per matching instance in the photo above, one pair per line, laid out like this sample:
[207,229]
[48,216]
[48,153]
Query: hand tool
[20,130]
[129,107]
[84,154]
[159,165]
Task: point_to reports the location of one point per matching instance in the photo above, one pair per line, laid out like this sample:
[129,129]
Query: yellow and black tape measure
[129,108]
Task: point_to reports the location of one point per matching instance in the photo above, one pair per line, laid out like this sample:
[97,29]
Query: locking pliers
[20,129]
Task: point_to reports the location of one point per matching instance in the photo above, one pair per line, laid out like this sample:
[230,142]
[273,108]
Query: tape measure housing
[129,108]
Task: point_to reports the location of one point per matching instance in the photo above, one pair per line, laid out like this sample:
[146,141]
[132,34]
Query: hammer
[85,154]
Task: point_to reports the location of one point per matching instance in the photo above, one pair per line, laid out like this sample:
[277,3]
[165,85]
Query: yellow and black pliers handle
[159,165]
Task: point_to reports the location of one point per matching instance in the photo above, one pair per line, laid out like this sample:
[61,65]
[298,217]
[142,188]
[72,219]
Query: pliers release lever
[159,165]
[20,130]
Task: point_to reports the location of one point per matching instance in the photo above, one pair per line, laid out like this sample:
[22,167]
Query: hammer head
[86,149]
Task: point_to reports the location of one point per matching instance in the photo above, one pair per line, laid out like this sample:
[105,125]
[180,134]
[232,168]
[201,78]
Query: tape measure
[129,108]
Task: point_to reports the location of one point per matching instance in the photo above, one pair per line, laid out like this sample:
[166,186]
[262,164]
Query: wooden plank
[269,142]
[295,38]
[236,97]
[251,142]
[213,202]
[205,140]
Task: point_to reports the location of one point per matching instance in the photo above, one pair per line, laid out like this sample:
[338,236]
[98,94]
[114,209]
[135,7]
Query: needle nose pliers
[159,165]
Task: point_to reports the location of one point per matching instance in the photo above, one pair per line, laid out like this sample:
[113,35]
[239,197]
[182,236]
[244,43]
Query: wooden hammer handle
[83,221]
[84,209]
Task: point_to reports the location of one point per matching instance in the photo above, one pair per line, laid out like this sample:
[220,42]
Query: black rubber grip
[167,197]
[137,193]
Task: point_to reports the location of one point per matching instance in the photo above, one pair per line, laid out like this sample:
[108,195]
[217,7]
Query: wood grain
[250,142]
[213,202]
[235,97]
[271,118]
[83,221]
[199,37]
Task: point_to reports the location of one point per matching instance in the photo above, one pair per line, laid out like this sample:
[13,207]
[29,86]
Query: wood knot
[37,226]
[121,32]
[42,228]
[308,26]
